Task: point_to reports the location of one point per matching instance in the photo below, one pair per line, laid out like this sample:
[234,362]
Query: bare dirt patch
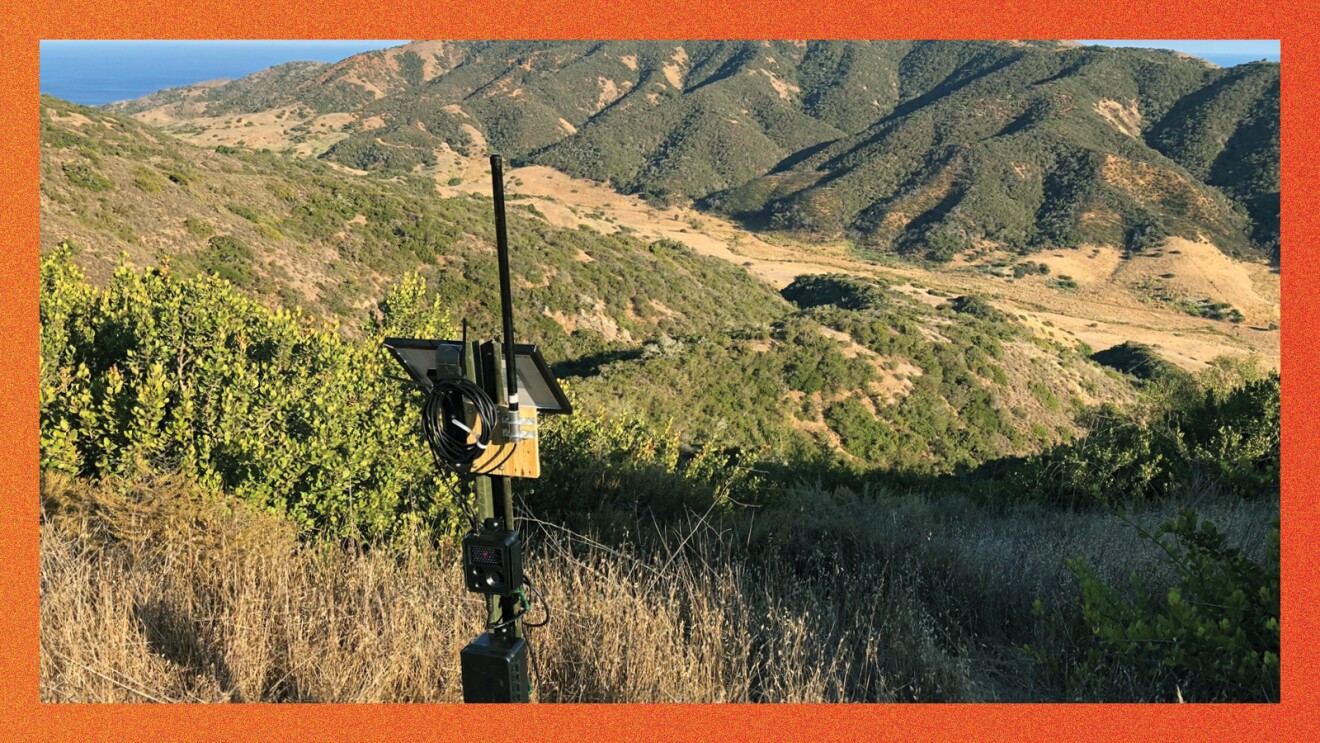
[1104,310]
[609,92]
[785,89]
[1199,270]
[673,71]
[1125,118]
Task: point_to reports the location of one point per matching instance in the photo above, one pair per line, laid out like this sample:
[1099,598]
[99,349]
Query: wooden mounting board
[508,458]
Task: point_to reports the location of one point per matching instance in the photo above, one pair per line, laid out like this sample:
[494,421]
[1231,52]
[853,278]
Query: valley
[1112,303]
[888,360]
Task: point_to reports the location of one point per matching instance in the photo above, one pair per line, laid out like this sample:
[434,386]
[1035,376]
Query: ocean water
[1232,60]
[97,72]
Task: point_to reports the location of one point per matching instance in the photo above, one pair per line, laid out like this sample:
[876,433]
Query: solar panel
[427,360]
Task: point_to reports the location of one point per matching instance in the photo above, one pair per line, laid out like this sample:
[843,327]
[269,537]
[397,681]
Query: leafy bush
[229,258]
[83,175]
[1137,359]
[198,227]
[1212,637]
[843,291]
[158,372]
[978,306]
[147,180]
[814,363]
[863,436]
[245,212]
[1203,435]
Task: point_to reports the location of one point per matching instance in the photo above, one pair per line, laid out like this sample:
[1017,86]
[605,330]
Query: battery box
[495,670]
[492,562]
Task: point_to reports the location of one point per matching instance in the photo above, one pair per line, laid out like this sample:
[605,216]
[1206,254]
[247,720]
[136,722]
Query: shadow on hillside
[590,366]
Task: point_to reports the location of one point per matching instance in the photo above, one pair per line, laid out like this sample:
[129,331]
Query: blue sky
[1231,51]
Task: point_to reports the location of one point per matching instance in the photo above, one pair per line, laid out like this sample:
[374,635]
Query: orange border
[23,716]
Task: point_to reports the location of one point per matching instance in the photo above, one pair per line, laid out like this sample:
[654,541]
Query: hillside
[933,394]
[929,149]
[634,323]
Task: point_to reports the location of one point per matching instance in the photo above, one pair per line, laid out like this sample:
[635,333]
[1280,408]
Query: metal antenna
[506,291]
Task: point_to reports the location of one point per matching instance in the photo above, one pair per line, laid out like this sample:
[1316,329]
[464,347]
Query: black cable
[536,671]
[544,604]
[531,649]
[527,605]
[444,422]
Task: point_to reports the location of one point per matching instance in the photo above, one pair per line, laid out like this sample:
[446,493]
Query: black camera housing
[492,562]
[495,670]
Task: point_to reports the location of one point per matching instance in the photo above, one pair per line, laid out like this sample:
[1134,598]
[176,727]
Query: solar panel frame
[534,375]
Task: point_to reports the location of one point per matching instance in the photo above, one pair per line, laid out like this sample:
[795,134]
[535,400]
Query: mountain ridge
[929,149]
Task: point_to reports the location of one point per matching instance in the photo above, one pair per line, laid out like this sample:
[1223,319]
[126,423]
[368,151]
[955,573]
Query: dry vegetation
[159,591]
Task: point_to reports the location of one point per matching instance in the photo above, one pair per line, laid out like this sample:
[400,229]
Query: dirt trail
[1105,309]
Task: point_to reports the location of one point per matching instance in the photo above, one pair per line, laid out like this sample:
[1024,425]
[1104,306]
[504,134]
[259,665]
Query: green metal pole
[485,493]
[502,487]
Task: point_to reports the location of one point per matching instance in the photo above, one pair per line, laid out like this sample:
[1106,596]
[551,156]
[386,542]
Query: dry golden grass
[161,592]
[158,591]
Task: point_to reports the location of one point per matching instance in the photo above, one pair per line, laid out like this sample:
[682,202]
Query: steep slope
[1013,148]
[298,233]
[640,328]
[930,149]
[1227,134]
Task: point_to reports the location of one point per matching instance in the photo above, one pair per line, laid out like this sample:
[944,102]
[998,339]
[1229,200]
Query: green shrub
[1044,395]
[1212,637]
[842,291]
[82,175]
[1193,436]
[248,213]
[159,372]
[198,227]
[147,180]
[229,258]
[863,436]
[179,177]
[1137,359]
[977,306]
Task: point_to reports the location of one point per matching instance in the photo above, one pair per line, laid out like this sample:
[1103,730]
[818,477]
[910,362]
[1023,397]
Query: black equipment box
[495,670]
[492,562]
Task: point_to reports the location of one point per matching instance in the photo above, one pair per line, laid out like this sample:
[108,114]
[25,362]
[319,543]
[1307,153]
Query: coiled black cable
[444,423]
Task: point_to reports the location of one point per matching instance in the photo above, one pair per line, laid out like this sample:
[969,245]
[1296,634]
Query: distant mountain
[846,367]
[926,148]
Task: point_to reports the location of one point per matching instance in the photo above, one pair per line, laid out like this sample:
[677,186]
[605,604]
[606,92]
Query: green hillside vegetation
[299,233]
[1137,359]
[159,393]
[928,149]
[632,326]
[1016,508]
